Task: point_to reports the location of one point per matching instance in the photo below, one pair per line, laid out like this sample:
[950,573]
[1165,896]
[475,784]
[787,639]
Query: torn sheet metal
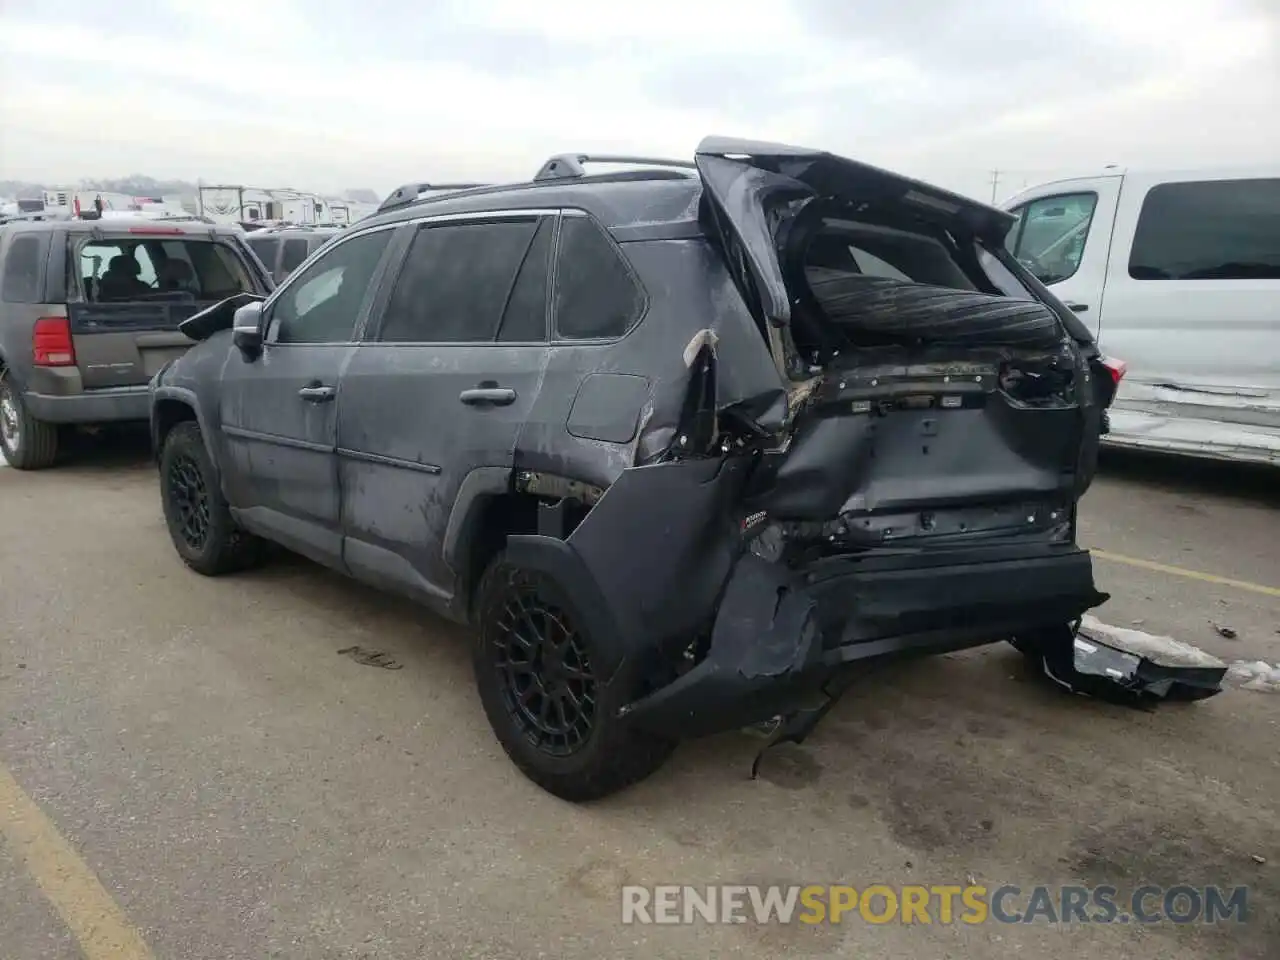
[1128,666]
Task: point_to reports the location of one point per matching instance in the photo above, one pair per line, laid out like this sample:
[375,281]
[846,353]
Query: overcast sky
[329,94]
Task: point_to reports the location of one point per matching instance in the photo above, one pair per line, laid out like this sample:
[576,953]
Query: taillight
[51,344]
[1117,369]
[158,231]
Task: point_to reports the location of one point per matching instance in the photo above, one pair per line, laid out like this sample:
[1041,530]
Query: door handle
[318,393]
[1076,307]
[498,396]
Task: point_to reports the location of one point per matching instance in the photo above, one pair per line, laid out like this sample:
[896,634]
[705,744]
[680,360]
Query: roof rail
[413,192]
[565,166]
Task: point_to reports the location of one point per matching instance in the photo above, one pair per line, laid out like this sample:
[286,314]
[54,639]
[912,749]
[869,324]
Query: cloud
[328,93]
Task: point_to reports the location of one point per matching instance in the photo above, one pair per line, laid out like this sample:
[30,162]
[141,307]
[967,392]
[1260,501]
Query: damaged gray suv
[691,445]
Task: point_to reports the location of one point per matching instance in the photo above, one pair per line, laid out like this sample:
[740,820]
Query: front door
[280,409]
[440,389]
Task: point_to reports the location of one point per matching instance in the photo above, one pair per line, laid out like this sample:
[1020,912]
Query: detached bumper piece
[785,643]
[1124,666]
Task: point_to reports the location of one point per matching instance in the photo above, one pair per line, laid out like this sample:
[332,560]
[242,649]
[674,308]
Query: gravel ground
[241,791]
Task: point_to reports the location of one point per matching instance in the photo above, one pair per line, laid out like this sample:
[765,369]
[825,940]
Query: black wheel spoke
[189,497]
[544,672]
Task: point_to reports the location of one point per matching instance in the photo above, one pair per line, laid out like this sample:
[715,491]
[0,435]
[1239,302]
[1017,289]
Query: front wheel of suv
[535,667]
[199,521]
[27,443]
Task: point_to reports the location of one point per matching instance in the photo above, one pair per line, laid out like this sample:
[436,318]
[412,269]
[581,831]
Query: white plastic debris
[1158,649]
[1255,675]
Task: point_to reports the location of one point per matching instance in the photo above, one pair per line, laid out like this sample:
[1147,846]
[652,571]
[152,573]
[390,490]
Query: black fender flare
[558,560]
[188,399]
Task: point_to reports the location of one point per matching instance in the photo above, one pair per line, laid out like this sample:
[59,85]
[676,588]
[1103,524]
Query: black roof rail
[565,166]
[412,193]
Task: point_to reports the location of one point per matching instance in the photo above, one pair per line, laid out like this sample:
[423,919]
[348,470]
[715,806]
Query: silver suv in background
[283,249]
[89,312]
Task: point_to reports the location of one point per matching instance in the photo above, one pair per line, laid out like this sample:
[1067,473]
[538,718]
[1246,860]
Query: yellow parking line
[1189,574]
[102,930]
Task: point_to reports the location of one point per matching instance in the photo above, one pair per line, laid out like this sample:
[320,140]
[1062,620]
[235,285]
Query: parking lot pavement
[193,765]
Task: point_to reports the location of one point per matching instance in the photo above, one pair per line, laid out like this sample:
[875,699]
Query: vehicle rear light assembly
[1117,369]
[158,231]
[51,344]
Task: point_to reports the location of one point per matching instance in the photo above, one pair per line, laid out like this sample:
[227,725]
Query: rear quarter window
[20,282]
[596,294]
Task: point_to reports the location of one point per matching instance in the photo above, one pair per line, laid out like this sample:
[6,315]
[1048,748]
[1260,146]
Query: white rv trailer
[240,204]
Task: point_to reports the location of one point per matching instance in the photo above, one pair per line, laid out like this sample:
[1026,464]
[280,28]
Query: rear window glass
[21,280]
[1212,230]
[596,295]
[120,270]
[847,246]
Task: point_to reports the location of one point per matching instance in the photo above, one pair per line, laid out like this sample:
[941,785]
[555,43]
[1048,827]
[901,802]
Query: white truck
[1179,275]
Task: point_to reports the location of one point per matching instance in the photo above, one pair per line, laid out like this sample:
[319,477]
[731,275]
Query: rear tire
[27,443]
[559,724]
[199,521]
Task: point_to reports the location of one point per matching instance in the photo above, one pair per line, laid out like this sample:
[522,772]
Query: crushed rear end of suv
[907,486]
[691,446]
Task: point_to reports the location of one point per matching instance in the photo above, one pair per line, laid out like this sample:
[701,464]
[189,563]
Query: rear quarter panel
[18,319]
[688,291]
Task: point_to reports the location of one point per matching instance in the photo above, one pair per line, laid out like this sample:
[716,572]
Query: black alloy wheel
[544,674]
[190,497]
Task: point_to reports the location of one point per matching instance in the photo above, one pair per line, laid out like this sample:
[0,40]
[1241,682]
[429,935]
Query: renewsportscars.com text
[939,903]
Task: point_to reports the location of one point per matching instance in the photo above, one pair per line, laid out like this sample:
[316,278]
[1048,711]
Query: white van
[1178,275]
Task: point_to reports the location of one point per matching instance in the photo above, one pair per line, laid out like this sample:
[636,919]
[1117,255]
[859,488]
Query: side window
[1050,235]
[596,295]
[295,251]
[1015,231]
[1214,230]
[457,280]
[21,280]
[265,248]
[322,303]
[525,318]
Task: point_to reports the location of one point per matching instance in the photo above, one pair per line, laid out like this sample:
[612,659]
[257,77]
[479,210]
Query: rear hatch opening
[129,290]
[937,399]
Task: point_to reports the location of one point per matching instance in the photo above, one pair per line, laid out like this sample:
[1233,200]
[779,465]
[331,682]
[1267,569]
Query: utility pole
[995,184]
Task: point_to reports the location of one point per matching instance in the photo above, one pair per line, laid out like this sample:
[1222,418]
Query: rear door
[1063,236]
[279,410]
[441,388]
[128,291]
[946,437]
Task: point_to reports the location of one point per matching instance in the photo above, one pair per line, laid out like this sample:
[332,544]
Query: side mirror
[246,329]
